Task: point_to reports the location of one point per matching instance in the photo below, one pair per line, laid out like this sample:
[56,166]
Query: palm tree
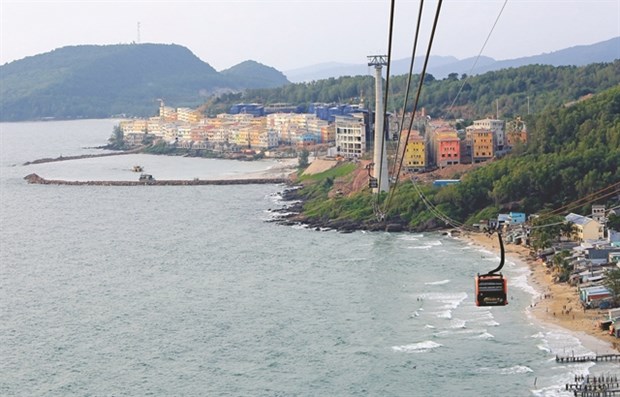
[612,282]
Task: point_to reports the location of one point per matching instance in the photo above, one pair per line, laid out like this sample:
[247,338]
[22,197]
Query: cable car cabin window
[491,290]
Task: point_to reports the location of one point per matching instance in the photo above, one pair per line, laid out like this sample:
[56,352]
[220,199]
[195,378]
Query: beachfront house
[586,229]
[594,296]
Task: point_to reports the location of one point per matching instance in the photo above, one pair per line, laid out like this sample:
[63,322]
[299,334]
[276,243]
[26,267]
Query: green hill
[252,74]
[570,162]
[100,81]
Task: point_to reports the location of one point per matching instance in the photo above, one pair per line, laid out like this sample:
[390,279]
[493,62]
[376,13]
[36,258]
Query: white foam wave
[420,247]
[450,300]
[517,369]
[445,314]
[411,237]
[485,336]
[457,323]
[520,282]
[437,282]
[492,324]
[543,348]
[435,243]
[421,347]
[429,326]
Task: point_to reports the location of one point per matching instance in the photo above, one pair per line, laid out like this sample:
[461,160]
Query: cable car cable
[417,98]
[408,88]
[477,58]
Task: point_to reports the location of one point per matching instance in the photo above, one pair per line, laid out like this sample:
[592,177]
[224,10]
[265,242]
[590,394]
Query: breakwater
[36,179]
[82,156]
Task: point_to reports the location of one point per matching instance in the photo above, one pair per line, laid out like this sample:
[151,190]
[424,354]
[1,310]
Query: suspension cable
[590,198]
[417,98]
[409,78]
[477,58]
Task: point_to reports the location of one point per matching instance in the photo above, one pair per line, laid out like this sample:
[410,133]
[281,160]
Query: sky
[291,34]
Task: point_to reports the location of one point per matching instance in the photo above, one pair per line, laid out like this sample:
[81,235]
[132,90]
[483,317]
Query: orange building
[447,148]
[481,142]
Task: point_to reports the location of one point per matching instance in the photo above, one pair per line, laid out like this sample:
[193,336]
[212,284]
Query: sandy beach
[557,304]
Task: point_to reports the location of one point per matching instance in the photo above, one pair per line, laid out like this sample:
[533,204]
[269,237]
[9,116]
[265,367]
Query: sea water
[194,291]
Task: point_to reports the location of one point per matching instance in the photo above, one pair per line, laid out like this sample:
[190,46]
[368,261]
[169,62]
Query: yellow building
[415,151]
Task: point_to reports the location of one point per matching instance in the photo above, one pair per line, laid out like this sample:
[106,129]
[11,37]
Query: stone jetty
[36,179]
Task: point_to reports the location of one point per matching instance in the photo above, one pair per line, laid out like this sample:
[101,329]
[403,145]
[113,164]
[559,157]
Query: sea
[199,291]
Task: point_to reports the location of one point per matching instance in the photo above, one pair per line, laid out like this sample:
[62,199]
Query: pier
[583,359]
[36,179]
[594,386]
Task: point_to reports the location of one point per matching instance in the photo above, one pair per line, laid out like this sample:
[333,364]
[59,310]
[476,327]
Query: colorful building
[415,158]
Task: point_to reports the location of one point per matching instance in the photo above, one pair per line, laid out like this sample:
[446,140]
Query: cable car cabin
[491,290]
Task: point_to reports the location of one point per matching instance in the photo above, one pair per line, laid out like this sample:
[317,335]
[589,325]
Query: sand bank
[557,304]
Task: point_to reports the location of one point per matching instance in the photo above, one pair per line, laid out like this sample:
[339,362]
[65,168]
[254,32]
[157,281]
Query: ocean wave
[450,300]
[457,323]
[421,347]
[420,247]
[516,369]
[485,335]
[410,237]
[437,282]
[520,282]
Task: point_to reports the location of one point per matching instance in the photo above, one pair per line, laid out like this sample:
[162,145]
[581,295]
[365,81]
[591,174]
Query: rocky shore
[292,214]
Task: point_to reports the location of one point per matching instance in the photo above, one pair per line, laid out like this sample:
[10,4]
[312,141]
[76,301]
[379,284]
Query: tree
[303,158]
[613,222]
[117,140]
[612,282]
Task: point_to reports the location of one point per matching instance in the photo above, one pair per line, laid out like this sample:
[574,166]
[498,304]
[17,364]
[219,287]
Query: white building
[350,136]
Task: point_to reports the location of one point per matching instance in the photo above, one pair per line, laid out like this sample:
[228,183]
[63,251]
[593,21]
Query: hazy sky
[289,34]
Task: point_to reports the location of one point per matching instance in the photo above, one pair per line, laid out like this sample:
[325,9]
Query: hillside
[513,91]
[100,81]
[251,74]
[571,160]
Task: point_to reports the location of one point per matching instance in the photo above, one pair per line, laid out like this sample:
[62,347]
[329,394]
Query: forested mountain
[100,81]
[572,153]
[509,92]
[251,74]
[442,66]
[571,161]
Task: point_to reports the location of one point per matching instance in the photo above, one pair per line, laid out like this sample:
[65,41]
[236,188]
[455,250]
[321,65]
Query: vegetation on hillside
[510,91]
[572,153]
[101,81]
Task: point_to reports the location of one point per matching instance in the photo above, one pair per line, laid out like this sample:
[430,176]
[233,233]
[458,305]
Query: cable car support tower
[379,181]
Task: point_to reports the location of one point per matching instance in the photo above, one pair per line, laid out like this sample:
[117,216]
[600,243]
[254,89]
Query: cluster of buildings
[442,145]
[593,249]
[245,126]
[347,129]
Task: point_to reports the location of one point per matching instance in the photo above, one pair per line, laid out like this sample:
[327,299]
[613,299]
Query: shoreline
[555,305]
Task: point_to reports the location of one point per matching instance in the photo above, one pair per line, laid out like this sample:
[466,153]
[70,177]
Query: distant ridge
[440,67]
[91,81]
